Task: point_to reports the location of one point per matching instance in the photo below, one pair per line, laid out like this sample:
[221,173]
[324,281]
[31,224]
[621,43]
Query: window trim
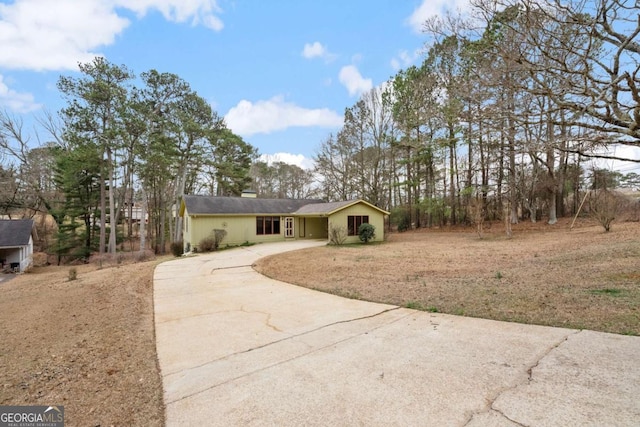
[268,225]
[354,222]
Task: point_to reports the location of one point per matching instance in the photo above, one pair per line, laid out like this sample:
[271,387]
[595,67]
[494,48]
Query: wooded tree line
[116,145]
[496,121]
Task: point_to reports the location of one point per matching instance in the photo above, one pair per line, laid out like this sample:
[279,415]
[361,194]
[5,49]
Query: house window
[267,225]
[354,222]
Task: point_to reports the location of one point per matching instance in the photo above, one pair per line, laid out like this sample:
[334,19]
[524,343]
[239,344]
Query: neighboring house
[135,211]
[16,244]
[254,220]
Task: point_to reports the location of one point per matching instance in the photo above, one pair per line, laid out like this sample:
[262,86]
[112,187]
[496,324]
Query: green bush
[366,232]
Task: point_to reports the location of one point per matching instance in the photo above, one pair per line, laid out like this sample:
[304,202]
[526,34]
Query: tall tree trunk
[501,167]
[484,168]
[551,165]
[417,192]
[181,179]
[452,174]
[412,214]
[103,209]
[113,218]
[130,199]
[162,230]
[563,165]
[469,181]
[470,153]
[511,139]
[143,217]
[445,189]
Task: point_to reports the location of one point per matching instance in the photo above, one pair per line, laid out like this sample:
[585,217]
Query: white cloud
[288,158]
[275,114]
[45,35]
[351,78]
[317,50]
[198,12]
[56,35]
[431,8]
[313,50]
[15,101]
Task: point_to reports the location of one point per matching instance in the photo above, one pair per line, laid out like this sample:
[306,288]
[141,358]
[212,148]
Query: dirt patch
[546,275]
[87,344]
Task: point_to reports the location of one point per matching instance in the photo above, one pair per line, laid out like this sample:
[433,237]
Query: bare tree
[31,167]
[282,180]
[591,66]
[603,207]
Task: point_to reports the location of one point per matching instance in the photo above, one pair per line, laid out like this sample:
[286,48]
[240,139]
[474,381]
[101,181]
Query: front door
[288,227]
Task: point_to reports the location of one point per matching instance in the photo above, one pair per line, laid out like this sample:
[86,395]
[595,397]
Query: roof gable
[333,207]
[15,232]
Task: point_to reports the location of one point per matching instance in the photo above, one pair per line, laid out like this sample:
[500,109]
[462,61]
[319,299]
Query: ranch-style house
[248,219]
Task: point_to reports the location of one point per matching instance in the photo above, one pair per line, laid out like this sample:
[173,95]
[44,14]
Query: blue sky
[281,72]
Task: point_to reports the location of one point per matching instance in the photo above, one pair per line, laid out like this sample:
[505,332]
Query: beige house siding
[240,229]
[376,219]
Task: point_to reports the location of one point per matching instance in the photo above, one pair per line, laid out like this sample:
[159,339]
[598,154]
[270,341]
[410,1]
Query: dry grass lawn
[89,344]
[584,278]
[86,344]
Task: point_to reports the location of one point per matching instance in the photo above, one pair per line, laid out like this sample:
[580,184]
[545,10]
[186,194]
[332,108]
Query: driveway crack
[315,349]
[267,321]
[492,400]
[558,344]
[318,329]
[232,267]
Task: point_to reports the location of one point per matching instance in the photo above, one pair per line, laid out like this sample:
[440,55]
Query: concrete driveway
[237,348]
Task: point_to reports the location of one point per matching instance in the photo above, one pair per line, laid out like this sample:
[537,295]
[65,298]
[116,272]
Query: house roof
[323,208]
[208,205]
[15,232]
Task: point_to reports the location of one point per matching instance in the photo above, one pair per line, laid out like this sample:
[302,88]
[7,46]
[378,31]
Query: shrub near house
[366,232]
